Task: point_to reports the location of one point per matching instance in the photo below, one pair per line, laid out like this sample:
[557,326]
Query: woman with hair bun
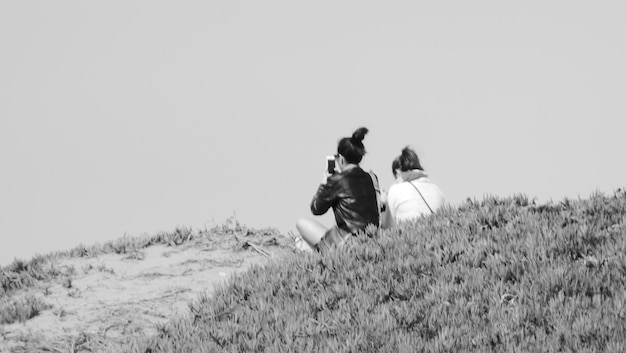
[413,194]
[352,194]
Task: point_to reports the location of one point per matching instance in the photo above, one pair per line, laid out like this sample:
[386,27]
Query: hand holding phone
[330,168]
[330,164]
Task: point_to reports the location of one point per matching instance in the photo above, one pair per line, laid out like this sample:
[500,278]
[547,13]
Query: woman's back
[413,195]
[350,192]
[404,200]
[352,196]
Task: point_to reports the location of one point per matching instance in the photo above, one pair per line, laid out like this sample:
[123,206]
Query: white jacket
[405,203]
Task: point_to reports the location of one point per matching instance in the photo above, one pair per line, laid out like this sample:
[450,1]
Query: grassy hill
[496,275]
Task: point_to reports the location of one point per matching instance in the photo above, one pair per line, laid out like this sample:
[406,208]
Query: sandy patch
[110,299]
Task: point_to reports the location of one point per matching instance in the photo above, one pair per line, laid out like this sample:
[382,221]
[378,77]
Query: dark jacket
[352,196]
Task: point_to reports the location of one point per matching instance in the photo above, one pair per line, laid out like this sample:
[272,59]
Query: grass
[499,275]
[20,310]
[496,275]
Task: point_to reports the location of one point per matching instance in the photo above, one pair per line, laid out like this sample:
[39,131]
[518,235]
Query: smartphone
[330,164]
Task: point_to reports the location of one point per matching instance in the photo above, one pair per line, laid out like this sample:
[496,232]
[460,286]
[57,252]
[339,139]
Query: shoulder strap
[418,191]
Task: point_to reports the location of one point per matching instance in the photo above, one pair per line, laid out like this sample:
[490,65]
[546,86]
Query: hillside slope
[496,275]
[90,300]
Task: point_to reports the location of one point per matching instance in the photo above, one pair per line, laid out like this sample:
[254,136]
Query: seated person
[413,194]
[350,192]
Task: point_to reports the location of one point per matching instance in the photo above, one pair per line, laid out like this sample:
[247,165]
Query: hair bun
[409,160]
[359,134]
[352,147]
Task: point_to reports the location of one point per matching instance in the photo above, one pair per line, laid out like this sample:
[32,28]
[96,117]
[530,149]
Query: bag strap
[418,191]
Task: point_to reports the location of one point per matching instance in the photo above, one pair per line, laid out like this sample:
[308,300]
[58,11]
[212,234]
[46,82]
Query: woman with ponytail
[350,192]
[413,194]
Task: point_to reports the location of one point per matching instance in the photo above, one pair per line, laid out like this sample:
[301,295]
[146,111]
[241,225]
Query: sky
[136,117]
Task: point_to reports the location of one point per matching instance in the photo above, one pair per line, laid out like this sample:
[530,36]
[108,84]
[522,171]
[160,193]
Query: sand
[109,300]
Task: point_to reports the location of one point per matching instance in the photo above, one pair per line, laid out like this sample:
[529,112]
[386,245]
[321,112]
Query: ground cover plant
[497,275]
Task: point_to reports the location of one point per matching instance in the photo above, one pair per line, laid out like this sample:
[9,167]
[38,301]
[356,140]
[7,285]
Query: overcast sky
[134,117]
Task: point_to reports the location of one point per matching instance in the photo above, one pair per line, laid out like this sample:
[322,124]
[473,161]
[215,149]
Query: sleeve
[386,221]
[392,204]
[325,197]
